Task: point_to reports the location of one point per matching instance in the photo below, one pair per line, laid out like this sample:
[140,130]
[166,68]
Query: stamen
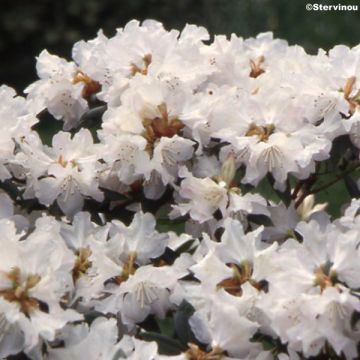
[262,132]
[144,71]
[256,69]
[19,291]
[195,353]
[128,269]
[91,86]
[82,263]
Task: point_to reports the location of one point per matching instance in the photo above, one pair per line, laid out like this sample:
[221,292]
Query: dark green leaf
[185,247]
[167,345]
[165,225]
[336,196]
[166,326]
[265,189]
[340,147]
[90,316]
[351,186]
[260,219]
[181,321]
[355,319]
[92,116]
[113,195]
[285,196]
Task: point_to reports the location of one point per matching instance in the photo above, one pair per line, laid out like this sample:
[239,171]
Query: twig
[334,181]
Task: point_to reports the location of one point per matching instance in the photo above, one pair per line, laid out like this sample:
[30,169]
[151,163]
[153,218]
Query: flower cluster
[177,216]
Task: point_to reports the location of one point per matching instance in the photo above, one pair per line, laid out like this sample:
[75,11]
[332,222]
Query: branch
[307,184]
[337,178]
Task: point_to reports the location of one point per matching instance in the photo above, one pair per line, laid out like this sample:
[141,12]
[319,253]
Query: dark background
[27,27]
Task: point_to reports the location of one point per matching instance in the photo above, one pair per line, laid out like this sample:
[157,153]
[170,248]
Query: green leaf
[336,196]
[355,318]
[186,247]
[90,316]
[285,196]
[92,116]
[165,225]
[182,326]
[47,127]
[166,326]
[167,345]
[260,219]
[113,195]
[265,189]
[351,186]
[339,147]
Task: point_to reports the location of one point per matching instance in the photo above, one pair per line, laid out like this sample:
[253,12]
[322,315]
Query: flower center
[144,70]
[128,269]
[262,132]
[160,126]
[91,86]
[19,292]
[82,263]
[256,69]
[354,101]
[325,277]
[213,196]
[61,161]
[242,274]
[195,353]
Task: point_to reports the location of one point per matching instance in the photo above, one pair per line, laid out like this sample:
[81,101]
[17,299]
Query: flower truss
[180,213]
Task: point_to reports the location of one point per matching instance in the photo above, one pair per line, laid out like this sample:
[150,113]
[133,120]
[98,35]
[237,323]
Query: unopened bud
[228,170]
[308,207]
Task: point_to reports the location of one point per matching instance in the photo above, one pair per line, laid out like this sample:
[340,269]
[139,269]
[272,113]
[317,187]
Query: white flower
[126,159]
[204,197]
[67,172]
[139,238]
[146,291]
[16,120]
[168,155]
[138,349]
[7,210]
[224,330]
[92,266]
[322,271]
[97,342]
[34,277]
[60,89]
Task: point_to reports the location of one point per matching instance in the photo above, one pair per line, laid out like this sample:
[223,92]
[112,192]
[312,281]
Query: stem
[306,184]
[297,189]
[301,199]
[334,181]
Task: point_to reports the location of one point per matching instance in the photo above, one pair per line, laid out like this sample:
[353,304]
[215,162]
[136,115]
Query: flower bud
[228,170]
